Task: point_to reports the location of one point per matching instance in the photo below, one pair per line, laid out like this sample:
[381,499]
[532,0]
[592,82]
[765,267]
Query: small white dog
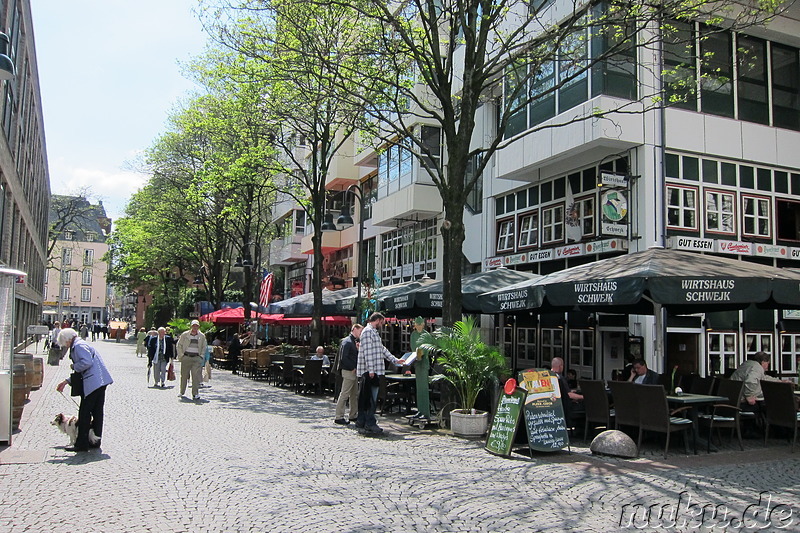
[69,425]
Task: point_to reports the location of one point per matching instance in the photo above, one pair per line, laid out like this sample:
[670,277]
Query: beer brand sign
[735,247]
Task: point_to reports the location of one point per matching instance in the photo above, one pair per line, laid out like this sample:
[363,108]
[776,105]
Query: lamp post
[346,219]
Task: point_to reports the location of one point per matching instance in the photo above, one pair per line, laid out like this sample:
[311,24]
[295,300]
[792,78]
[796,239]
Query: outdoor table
[408,387]
[695,401]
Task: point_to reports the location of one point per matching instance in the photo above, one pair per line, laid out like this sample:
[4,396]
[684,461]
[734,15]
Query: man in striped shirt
[370,367]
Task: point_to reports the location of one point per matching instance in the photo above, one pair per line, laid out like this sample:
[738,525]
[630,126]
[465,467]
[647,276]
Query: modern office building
[24,179]
[75,282]
[718,173]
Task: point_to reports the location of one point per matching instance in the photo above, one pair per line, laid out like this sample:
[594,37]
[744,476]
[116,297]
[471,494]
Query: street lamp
[346,220]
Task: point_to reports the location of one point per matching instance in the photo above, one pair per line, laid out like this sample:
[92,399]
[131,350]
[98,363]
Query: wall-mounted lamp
[592,321]
[707,325]
[780,326]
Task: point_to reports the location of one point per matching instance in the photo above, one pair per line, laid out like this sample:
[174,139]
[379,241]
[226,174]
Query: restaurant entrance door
[683,351]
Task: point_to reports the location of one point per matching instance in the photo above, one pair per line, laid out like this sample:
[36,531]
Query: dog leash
[70,397]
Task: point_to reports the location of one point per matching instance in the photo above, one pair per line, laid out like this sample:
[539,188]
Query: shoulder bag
[76,383]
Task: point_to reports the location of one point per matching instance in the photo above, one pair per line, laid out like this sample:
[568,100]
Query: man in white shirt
[192,346]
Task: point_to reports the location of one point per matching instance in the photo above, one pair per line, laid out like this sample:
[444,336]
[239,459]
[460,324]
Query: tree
[305,103]
[467,54]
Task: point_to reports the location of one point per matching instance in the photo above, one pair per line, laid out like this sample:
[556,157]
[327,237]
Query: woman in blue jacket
[96,378]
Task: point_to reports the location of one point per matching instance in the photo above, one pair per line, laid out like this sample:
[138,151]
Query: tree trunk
[453,240]
[316,279]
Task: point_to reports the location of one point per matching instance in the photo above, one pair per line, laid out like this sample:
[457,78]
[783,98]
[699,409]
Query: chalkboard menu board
[543,410]
[506,419]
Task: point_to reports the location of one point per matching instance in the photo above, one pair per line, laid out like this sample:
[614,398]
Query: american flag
[266,289]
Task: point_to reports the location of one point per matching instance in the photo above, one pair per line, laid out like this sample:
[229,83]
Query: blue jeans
[367,400]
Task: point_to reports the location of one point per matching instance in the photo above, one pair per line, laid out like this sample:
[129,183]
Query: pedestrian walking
[141,336]
[87,362]
[192,346]
[84,331]
[370,368]
[346,363]
[160,351]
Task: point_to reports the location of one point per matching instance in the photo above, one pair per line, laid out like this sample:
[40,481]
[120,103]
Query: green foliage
[179,325]
[468,363]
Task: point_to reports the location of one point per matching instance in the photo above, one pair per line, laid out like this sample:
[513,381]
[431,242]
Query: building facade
[24,179]
[76,289]
[716,172]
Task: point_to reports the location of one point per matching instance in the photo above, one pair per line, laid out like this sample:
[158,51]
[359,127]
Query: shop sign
[515,259]
[735,247]
[614,209]
[492,262]
[608,179]
[692,244]
[571,250]
[608,245]
[540,255]
[794,253]
[770,250]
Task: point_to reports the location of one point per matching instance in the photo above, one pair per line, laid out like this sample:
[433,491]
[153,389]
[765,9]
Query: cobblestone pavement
[252,457]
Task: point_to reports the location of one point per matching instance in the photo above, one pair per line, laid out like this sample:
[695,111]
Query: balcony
[282,253]
[331,241]
[417,200]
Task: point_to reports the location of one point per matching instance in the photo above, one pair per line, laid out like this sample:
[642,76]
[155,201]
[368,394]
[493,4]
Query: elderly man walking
[191,350]
[370,368]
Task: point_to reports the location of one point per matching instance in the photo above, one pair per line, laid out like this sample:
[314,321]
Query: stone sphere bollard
[614,442]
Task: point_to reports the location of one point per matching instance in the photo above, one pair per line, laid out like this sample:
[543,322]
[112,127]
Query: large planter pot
[466,424]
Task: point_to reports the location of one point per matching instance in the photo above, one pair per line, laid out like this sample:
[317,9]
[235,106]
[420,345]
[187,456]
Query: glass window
[543,99]
[747,177]
[764,176]
[729,174]
[673,165]
[682,207]
[66,256]
[756,220]
[553,223]
[785,87]
[680,74]
[69,235]
[720,212]
[616,74]
[722,352]
[781,182]
[751,56]
[691,168]
[788,217]
[716,86]
[529,230]
[710,171]
[514,95]
[552,344]
[86,295]
[88,257]
[581,219]
[505,236]
[790,353]
[64,294]
[757,342]
[86,277]
[572,73]
[65,277]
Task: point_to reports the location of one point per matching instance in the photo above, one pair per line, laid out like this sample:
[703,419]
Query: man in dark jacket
[643,375]
[346,362]
[160,350]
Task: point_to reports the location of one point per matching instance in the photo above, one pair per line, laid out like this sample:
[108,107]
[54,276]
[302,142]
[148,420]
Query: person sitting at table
[643,375]
[320,354]
[752,372]
[568,398]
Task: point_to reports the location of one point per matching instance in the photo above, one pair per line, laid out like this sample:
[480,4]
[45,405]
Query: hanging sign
[614,209]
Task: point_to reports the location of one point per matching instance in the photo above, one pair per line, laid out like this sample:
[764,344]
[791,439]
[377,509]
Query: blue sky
[109,74]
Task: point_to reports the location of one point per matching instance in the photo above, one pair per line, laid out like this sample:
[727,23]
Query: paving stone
[253,457]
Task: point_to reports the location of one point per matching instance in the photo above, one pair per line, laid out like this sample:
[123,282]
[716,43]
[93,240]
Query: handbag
[171,372]
[76,384]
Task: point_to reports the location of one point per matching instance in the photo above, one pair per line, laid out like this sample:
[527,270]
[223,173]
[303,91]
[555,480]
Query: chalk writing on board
[504,424]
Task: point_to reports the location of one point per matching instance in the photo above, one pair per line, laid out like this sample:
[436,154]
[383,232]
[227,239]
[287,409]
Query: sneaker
[162,385]
[195,398]
[341,421]
[181,395]
[373,430]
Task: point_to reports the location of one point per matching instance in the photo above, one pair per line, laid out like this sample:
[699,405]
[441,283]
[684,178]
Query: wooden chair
[654,415]
[726,415]
[287,374]
[244,363]
[626,412]
[262,365]
[780,408]
[700,385]
[595,400]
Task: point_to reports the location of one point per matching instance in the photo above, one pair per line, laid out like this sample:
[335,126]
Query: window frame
[756,217]
[557,221]
[508,237]
[533,215]
[86,294]
[682,208]
[720,192]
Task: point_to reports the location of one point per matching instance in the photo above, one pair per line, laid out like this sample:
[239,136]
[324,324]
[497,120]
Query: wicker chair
[626,412]
[654,415]
[726,415]
[780,408]
[595,400]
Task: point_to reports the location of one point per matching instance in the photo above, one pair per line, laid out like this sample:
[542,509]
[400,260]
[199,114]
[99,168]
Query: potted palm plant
[469,365]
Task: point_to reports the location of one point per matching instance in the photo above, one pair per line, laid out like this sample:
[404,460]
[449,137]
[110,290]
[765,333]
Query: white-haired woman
[87,361]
